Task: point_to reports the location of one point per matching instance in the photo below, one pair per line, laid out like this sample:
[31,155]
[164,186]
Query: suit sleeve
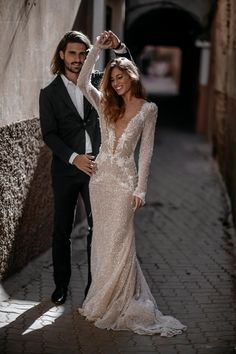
[49,129]
[123,52]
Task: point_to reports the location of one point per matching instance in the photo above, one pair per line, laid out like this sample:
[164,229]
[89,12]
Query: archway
[171,27]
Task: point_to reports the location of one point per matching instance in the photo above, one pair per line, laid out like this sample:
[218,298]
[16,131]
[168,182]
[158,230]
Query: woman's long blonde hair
[113,104]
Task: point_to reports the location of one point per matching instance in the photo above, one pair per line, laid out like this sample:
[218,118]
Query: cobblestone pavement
[186,246]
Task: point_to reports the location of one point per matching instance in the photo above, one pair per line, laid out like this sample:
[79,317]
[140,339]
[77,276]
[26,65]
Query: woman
[119,297]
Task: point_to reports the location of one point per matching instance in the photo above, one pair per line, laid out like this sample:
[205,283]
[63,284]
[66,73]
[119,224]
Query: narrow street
[187,249]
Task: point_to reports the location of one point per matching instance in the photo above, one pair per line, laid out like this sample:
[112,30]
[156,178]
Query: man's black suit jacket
[62,127]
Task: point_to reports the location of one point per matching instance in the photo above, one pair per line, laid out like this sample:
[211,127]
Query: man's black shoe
[59,296]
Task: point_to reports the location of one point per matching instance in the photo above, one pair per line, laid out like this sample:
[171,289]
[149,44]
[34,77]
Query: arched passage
[175,27]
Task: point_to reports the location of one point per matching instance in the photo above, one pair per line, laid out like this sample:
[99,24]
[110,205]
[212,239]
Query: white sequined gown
[119,297]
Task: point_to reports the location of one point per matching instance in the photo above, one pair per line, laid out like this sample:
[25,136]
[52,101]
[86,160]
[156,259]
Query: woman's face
[120,81]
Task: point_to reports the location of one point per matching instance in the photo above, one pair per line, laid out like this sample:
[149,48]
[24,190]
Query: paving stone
[185,349]
[186,246]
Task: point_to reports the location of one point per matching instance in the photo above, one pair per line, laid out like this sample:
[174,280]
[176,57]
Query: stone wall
[222,108]
[26,196]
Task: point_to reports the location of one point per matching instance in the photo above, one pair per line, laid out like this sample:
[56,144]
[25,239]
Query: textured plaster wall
[222,116]
[30,31]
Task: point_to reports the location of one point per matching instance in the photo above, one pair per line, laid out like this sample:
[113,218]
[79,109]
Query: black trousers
[66,191]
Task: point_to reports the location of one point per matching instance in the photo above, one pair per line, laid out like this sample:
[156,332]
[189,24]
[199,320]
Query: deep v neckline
[117,141]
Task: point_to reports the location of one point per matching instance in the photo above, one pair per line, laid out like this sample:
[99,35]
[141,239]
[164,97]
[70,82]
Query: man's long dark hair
[57,66]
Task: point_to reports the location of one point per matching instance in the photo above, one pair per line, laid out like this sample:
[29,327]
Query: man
[70,129]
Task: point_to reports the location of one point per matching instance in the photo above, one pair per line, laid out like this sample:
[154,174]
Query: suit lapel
[64,95]
[87,108]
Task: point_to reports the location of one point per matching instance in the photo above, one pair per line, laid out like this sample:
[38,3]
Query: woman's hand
[104,40]
[137,203]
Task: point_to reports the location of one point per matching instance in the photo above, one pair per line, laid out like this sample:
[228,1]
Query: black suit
[63,131]
[62,127]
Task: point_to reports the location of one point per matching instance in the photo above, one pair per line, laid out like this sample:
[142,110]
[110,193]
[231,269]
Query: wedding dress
[119,297]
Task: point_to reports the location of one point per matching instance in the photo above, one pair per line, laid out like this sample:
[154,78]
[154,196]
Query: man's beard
[72,69]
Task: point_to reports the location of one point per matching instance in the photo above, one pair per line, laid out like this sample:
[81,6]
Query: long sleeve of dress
[145,152]
[84,79]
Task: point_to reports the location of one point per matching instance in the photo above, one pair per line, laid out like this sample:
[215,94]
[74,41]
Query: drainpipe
[98,27]
[201,124]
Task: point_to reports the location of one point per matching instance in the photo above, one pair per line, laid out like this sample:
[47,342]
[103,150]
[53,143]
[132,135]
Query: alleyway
[187,250]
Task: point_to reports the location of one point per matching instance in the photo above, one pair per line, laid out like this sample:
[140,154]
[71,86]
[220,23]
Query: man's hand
[115,41]
[86,164]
